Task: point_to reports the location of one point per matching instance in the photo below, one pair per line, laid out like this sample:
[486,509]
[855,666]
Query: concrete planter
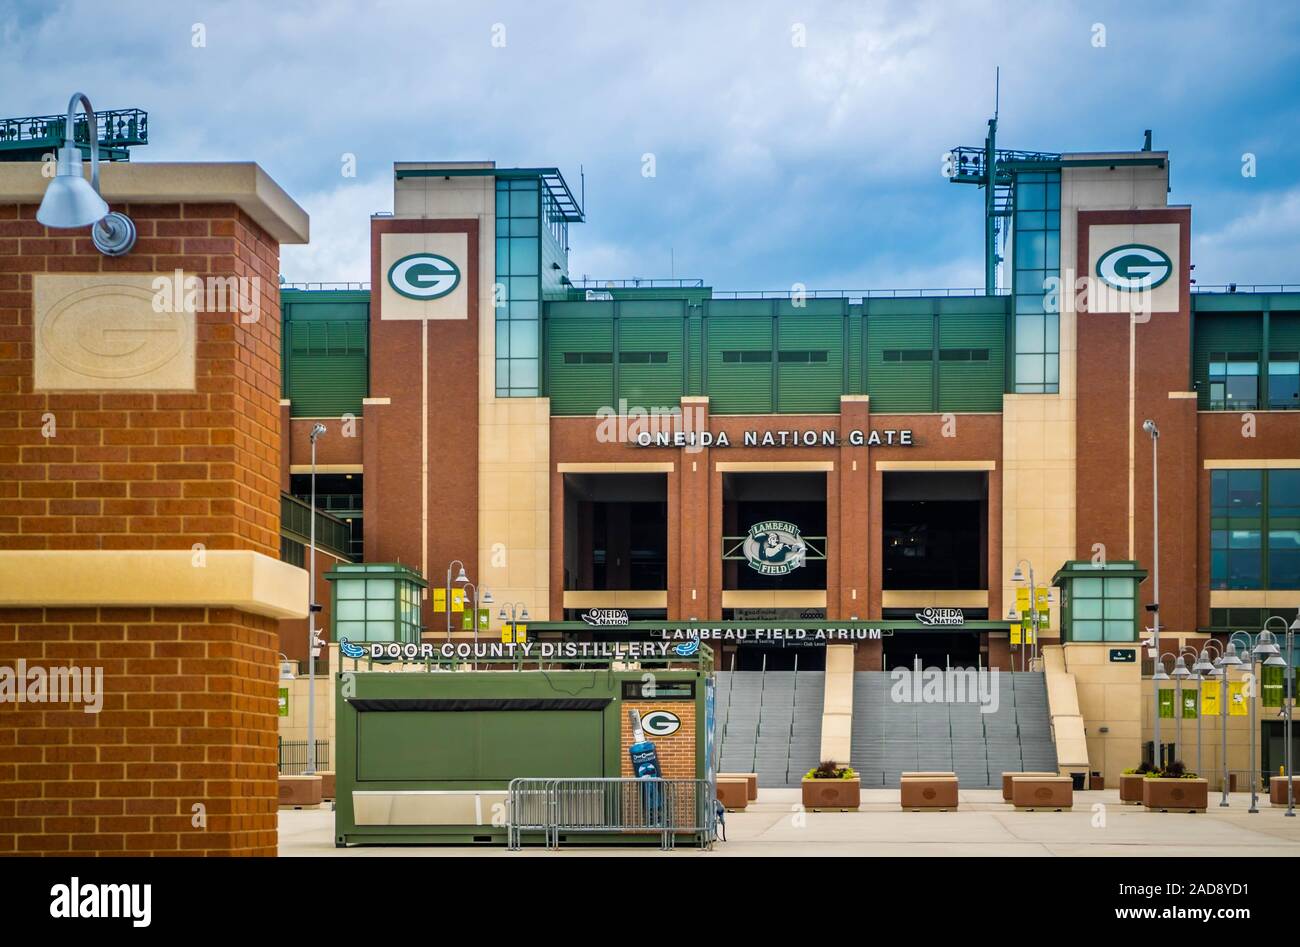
[1277,791]
[300,792]
[733,792]
[1009,776]
[839,794]
[1130,788]
[1175,795]
[919,794]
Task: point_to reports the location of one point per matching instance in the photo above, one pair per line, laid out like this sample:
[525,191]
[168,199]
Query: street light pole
[460,577]
[1250,695]
[317,430]
[1019,576]
[1150,427]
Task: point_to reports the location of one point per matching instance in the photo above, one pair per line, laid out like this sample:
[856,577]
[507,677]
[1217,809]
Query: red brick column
[181,758]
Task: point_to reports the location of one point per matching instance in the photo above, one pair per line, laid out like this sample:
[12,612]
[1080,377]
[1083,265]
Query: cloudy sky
[792,141]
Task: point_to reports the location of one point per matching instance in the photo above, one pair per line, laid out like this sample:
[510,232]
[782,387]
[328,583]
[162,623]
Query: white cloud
[340,233]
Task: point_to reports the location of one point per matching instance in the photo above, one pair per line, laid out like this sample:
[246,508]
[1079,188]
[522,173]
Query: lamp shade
[1160,673]
[1266,645]
[70,200]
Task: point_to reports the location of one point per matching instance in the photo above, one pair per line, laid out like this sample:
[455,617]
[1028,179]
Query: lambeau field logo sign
[424,276]
[1134,267]
[773,547]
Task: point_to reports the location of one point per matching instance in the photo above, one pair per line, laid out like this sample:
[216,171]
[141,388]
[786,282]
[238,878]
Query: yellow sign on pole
[457,600]
[1210,698]
[439,600]
[1022,599]
[521,634]
[1015,634]
[507,634]
[1237,706]
[1043,597]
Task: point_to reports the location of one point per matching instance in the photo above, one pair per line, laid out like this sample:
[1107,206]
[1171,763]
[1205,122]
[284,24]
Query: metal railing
[328,287]
[558,808]
[1246,287]
[293,756]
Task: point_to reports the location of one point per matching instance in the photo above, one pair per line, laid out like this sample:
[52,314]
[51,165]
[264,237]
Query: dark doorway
[935,529]
[960,649]
[800,657]
[752,498]
[615,532]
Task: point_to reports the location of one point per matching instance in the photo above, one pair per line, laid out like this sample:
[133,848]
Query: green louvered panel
[654,383]
[580,388]
[695,352]
[975,384]
[904,385]
[1284,331]
[811,387]
[739,387]
[326,367]
[856,385]
[1222,332]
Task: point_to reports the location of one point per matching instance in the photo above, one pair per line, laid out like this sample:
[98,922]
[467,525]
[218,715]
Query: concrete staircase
[769,722]
[891,736]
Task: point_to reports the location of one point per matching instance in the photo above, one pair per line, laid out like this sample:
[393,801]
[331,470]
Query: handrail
[794,703]
[758,724]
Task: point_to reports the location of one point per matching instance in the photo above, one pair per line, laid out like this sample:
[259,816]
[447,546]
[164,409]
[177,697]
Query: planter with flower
[1130,784]
[1174,789]
[831,786]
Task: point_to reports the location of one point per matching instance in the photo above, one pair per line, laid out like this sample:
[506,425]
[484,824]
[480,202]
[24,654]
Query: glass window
[1037,259]
[1086,631]
[1284,380]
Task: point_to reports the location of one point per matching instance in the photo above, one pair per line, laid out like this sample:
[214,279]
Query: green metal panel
[811,387]
[327,366]
[739,387]
[972,385]
[656,328]
[580,389]
[479,746]
[695,351]
[1284,331]
[857,386]
[906,385]
[1222,332]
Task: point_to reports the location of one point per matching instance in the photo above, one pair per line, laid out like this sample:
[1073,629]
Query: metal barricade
[667,808]
[527,810]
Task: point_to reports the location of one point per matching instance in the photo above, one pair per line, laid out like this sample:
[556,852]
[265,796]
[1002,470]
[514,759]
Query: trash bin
[1078,781]
[1096,781]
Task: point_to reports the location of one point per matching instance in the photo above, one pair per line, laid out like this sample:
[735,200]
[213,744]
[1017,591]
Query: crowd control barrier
[562,808]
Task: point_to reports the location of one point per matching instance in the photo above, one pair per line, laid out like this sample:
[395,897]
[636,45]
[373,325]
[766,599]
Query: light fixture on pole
[1157,675]
[1150,427]
[1251,690]
[1180,674]
[462,578]
[313,645]
[1194,674]
[1288,694]
[1019,576]
[71,201]
[1228,660]
[518,612]
[474,600]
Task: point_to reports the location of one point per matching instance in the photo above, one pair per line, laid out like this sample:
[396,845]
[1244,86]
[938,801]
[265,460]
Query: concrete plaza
[984,826]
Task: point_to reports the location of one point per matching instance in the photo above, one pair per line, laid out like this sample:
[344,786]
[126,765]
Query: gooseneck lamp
[71,201]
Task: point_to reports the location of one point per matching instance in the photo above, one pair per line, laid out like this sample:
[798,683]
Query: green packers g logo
[424,276]
[1134,267]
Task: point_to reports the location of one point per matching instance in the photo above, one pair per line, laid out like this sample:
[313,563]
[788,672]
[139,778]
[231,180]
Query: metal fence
[668,808]
[293,756]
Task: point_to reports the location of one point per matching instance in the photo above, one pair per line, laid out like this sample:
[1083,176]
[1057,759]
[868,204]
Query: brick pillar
[139,504]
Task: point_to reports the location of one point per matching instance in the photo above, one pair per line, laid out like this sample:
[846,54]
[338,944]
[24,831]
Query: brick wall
[677,750]
[188,717]
[144,470]
[189,713]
